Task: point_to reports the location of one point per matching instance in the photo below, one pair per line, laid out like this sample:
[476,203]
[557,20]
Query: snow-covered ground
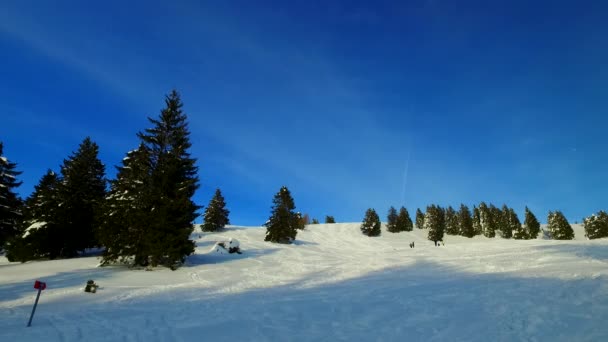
[332,284]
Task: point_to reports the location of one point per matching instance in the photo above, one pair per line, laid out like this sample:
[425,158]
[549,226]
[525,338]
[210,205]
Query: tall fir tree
[486,220]
[216,214]
[465,222]
[125,220]
[330,219]
[391,220]
[558,226]
[173,182]
[10,203]
[81,193]
[596,225]
[531,225]
[282,225]
[477,227]
[40,236]
[404,221]
[371,225]
[504,222]
[513,221]
[314,221]
[451,222]
[419,219]
[434,222]
[519,231]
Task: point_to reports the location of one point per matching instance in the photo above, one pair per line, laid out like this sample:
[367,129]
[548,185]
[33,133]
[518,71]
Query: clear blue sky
[350,104]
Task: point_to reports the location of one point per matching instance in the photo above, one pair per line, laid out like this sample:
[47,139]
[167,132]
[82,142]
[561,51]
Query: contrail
[405,171]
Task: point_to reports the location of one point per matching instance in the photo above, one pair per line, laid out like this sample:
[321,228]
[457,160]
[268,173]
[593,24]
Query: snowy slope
[333,284]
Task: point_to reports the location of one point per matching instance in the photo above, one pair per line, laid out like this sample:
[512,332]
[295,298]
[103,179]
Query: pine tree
[519,230]
[477,227]
[465,222]
[173,182]
[596,225]
[10,204]
[404,222]
[419,219]
[40,234]
[434,222]
[504,222]
[486,220]
[451,222]
[531,225]
[513,221]
[125,221]
[300,221]
[558,226]
[371,223]
[80,193]
[330,219]
[315,221]
[216,214]
[391,220]
[282,225]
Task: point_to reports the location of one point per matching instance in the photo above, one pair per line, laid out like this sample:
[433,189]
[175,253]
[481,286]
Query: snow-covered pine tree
[465,222]
[477,227]
[216,214]
[39,238]
[371,223]
[519,231]
[125,221]
[486,220]
[419,219]
[434,222]
[173,182]
[558,226]
[282,225]
[596,225]
[80,194]
[451,222]
[330,219]
[404,221]
[513,221]
[531,225]
[10,203]
[503,222]
[391,220]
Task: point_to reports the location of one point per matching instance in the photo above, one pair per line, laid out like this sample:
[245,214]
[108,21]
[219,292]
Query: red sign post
[39,286]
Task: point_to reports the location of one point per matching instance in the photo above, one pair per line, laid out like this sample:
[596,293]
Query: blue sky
[350,104]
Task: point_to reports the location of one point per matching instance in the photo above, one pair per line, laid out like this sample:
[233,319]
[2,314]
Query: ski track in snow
[332,284]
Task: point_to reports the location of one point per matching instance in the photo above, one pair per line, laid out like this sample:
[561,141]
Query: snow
[3,159]
[332,284]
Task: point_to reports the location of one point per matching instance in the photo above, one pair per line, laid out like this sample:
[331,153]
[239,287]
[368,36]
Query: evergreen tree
[315,221]
[40,236]
[216,214]
[477,227]
[558,226]
[465,222]
[371,223]
[486,220]
[519,230]
[391,220]
[419,219]
[404,222]
[513,221]
[300,221]
[282,225]
[504,222]
[173,182]
[531,225]
[596,225]
[434,222]
[330,219]
[10,204]
[80,193]
[451,222]
[125,222]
